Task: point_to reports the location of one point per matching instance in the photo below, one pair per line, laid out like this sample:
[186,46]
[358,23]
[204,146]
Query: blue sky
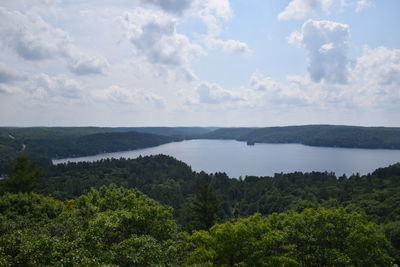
[199,62]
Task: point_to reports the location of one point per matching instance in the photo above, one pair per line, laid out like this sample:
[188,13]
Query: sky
[199,62]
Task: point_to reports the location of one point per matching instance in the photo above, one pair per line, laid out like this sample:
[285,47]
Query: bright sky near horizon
[199,62]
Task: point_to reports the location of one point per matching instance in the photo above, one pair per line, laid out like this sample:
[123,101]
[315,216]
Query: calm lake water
[238,159]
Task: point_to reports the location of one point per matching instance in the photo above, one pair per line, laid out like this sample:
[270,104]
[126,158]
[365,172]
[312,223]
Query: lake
[238,159]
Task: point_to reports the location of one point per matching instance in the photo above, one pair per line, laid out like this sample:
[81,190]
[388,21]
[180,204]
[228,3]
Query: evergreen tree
[204,208]
[23,176]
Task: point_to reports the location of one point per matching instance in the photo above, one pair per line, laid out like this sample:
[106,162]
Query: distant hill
[56,132]
[182,132]
[315,135]
[44,143]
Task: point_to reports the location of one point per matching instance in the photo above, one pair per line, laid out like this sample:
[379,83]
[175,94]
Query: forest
[315,135]
[42,144]
[156,211]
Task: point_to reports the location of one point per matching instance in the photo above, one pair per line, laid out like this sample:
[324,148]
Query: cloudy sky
[199,62]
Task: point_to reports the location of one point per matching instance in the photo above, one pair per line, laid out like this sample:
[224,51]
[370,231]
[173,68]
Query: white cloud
[89,65]
[117,94]
[300,9]
[211,93]
[154,37]
[376,77]
[266,92]
[121,95]
[25,4]
[362,4]
[230,46]
[218,8]
[43,86]
[172,6]
[8,89]
[327,45]
[154,99]
[373,83]
[33,39]
[8,75]
[260,82]
[214,13]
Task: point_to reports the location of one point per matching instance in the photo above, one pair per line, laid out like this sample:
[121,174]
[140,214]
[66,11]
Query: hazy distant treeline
[315,135]
[44,143]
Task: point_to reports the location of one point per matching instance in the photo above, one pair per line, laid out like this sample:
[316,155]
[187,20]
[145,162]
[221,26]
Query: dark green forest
[42,144]
[315,135]
[155,211]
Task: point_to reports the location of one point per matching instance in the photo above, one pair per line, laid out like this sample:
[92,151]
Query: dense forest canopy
[95,213]
[173,183]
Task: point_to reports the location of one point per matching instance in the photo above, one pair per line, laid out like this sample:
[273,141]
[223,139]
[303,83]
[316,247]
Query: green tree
[314,237]
[23,176]
[392,232]
[109,226]
[204,208]
[334,237]
[247,242]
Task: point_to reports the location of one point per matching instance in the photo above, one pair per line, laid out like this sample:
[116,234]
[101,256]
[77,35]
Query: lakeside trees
[315,135]
[42,144]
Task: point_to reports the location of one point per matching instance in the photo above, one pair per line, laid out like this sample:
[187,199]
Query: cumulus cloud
[218,8]
[376,77]
[9,79]
[154,37]
[262,92]
[327,45]
[8,75]
[260,82]
[265,91]
[154,99]
[117,94]
[300,9]
[172,6]
[43,86]
[121,95]
[211,93]
[8,89]
[362,4]
[230,46]
[214,13]
[26,4]
[89,65]
[33,39]
[373,82]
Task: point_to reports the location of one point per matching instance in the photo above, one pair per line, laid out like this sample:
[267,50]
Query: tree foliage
[306,219]
[314,237]
[110,226]
[315,135]
[203,208]
[23,176]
